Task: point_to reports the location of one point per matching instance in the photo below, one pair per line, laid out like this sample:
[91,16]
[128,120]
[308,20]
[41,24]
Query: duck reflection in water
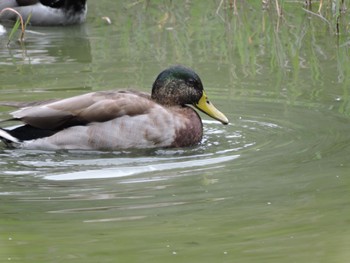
[46,46]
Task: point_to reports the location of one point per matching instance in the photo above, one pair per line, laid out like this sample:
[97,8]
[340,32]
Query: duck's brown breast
[191,131]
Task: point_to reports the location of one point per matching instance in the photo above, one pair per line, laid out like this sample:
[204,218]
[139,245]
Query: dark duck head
[181,86]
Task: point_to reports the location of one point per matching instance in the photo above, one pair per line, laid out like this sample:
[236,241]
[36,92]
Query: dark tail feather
[27,132]
[23,133]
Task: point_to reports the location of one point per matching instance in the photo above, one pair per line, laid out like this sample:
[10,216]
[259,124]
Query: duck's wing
[83,109]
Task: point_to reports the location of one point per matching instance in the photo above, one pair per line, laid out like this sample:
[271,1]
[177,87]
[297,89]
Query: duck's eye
[191,81]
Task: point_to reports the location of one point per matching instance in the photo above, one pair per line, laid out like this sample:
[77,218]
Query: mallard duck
[46,12]
[120,119]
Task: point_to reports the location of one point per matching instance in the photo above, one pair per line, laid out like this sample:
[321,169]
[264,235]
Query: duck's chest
[190,132]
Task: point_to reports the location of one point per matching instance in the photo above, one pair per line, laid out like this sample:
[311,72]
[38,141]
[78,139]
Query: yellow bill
[208,108]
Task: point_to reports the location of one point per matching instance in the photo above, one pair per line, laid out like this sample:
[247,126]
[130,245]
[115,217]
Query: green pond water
[272,186]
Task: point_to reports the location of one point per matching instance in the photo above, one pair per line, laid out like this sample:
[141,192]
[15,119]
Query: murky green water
[273,186]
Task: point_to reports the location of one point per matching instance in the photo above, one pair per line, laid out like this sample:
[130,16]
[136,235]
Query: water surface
[271,186]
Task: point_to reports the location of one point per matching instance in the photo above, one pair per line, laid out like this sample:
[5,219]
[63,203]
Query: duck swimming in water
[120,119]
[46,12]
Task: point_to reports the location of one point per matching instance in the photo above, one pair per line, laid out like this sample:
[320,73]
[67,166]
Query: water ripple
[122,171]
[221,146]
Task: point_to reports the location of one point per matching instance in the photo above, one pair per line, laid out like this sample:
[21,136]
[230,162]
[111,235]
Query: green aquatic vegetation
[241,36]
[330,11]
[18,23]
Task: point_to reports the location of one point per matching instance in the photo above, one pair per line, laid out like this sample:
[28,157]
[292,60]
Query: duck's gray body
[46,12]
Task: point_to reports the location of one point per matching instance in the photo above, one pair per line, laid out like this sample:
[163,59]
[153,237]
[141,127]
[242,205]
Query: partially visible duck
[46,12]
[112,120]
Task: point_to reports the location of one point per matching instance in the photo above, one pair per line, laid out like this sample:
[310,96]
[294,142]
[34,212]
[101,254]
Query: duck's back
[159,127]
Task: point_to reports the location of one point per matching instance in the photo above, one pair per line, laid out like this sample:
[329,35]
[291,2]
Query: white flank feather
[7,136]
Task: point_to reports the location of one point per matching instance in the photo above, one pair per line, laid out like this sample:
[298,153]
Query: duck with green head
[111,120]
